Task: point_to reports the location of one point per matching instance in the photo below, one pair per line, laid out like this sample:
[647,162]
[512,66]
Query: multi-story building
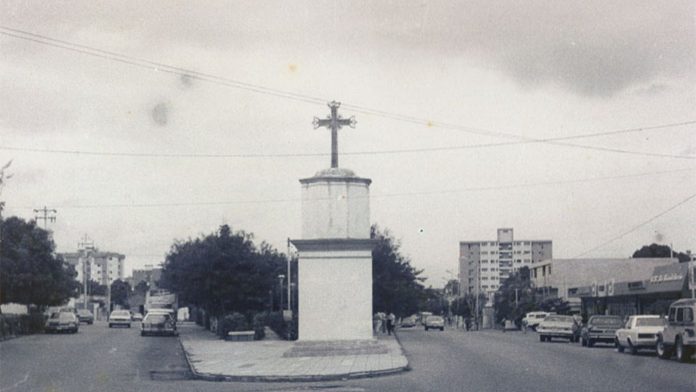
[101,267]
[484,265]
[150,275]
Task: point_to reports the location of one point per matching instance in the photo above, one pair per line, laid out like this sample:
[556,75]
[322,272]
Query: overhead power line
[638,226]
[378,196]
[556,140]
[161,67]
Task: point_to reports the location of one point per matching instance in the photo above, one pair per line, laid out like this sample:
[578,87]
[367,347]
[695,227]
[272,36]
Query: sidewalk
[211,358]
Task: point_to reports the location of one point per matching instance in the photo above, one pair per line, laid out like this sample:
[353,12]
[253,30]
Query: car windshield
[120,313]
[650,322]
[606,321]
[562,319]
[83,312]
[65,316]
[434,318]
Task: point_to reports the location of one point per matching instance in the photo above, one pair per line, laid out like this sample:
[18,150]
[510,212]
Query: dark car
[156,323]
[62,322]
[600,329]
[85,316]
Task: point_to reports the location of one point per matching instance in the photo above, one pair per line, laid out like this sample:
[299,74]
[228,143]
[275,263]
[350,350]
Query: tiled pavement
[215,359]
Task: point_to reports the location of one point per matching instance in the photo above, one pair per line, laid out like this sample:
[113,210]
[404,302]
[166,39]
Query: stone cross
[334,122]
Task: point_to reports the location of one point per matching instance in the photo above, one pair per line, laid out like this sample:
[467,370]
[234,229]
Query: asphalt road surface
[119,359]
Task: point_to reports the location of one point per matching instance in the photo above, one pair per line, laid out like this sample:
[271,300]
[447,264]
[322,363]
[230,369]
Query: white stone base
[335,290]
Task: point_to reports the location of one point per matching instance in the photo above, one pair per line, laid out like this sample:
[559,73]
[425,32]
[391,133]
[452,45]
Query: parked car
[120,317]
[84,315]
[436,322]
[158,323]
[678,336]
[137,316]
[639,332]
[532,319]
[558,326]
[62,322]
[408,322]
[600,328]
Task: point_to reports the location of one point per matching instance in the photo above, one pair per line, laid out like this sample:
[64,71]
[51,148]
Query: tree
[30,272]
[396,285]
[141,288]
[93,288]
[452,287]
[515,297]
[655,250]
[223,272]
[120,291]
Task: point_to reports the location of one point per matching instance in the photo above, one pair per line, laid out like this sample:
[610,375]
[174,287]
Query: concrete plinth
[335,258]
[335,289]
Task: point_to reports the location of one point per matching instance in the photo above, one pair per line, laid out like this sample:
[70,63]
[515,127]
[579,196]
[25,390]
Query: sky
[144,123]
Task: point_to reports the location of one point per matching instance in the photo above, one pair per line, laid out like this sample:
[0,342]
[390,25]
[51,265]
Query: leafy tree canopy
[120,291]
[396,285]
[93,288]
[223,272]
[30,272]
[515,297]
[656,250]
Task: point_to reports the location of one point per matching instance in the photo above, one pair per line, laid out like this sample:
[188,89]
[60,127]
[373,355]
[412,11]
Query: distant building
[150,275]
[484,265]
[562,278]
[101,267]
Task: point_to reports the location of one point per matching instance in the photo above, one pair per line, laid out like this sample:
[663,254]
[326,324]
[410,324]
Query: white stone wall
[335,295]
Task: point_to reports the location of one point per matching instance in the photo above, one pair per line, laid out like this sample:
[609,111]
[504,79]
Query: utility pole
[280,283]
[48,216]
[83,246]
[3,179]
[289,278]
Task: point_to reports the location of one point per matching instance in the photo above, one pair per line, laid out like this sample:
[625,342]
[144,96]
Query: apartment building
[484,265]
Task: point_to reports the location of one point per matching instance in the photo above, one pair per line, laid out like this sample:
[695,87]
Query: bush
[32,323]
[232,322]
[21,324]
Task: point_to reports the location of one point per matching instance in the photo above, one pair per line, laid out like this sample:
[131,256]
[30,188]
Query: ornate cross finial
[334,122]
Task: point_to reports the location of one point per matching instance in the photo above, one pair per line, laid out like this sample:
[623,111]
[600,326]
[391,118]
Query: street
[119,359]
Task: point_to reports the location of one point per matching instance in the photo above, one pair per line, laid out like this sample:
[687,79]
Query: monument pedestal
[335,258]
[335,289]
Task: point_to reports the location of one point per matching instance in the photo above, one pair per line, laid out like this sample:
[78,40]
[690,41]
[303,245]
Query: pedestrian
[383,322]
[391,320]
[467,323]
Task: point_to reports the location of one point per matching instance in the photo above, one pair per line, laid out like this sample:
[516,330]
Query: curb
[302,378]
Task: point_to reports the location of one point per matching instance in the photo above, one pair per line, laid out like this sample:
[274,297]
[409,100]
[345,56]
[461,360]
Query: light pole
[280,283]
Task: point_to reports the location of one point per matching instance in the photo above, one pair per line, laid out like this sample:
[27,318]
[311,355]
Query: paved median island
[277,360]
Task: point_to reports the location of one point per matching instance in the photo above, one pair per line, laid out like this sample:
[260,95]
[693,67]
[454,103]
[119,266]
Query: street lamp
[280,283]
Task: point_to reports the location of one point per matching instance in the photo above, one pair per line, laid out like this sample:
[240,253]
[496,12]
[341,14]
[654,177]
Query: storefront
[653,295]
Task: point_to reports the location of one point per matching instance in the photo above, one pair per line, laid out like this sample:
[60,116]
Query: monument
[335,252]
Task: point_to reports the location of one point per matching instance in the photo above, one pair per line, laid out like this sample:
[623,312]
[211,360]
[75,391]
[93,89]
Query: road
[103,359]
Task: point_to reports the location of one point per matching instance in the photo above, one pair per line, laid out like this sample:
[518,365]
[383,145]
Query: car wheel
[683,352]
[128,325]
[111,325]
[142,333]
[542,339]
[632,348]
[590,343]
[426,328]
[442,329]
[662,350]
[618,346]
[583,342]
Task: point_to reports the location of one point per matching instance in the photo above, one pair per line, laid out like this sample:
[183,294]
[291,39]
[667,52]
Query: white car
[532,319]
[639,332]
[120,317]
